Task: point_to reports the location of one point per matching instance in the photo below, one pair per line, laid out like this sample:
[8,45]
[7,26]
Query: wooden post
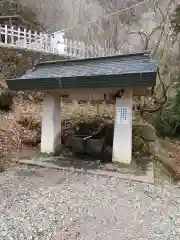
[12,35]
[91,51]
[99,48]
[35,39]
[98,108]
[75,49]
[19,34]
[6,35]
[25,38]
[83,50]
[41,40]
[70,46]
[66,46]
[29,38]
[105,48]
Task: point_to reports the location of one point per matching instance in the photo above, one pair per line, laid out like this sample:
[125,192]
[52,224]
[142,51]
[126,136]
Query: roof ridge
[145,53]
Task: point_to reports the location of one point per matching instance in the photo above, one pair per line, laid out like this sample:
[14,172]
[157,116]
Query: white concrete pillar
[122,143]
[51,123]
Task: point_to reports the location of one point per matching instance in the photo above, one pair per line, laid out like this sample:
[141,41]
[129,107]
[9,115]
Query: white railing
[49,43]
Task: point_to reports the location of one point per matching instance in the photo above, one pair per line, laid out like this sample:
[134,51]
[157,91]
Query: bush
[30,123]
[6,100]
[167,122]
[175,20]
[139,146]
[162,125]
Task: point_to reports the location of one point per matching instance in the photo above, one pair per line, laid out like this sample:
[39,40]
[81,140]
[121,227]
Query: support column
[51,123]
[122,143]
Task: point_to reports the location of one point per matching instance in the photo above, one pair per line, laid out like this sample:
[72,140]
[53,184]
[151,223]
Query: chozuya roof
[132,70]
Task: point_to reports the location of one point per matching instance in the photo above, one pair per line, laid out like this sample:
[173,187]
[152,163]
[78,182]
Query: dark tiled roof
[133,69]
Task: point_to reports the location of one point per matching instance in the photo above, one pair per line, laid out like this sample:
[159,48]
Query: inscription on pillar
[122,115]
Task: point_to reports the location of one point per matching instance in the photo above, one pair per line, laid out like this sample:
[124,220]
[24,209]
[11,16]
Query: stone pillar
[122,143]
[51,123]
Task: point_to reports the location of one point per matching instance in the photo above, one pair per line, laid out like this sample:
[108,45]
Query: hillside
[14,63]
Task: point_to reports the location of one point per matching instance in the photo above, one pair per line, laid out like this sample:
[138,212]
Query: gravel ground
[50,204]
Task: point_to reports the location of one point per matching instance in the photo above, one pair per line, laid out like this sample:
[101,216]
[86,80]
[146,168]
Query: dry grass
[22,125]
[11,132]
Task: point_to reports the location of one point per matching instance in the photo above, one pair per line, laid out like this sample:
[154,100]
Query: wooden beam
[19,17]
[10,16]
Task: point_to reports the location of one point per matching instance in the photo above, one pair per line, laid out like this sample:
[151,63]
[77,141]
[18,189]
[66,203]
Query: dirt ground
[41,203]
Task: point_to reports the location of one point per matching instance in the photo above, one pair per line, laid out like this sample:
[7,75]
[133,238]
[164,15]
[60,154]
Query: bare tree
[53,14]
[158,39]
[156,31]
[7,6]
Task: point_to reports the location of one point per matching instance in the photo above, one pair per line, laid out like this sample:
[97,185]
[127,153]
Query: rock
[147,132]
[31,140]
